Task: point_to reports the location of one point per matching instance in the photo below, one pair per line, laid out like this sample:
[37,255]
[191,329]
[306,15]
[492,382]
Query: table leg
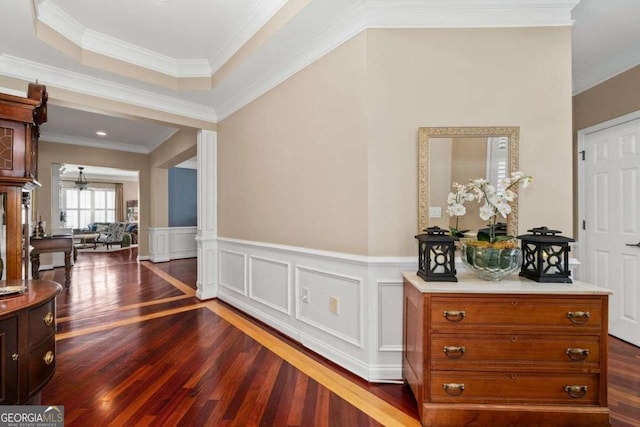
[35,265]
[67,268]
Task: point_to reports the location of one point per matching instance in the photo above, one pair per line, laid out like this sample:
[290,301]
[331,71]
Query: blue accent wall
[183,199]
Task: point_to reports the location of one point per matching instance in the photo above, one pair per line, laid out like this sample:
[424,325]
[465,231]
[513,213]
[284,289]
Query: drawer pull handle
[48,358]
[578,317]
[454,352]
[577,353]
[454,316]
[453,389]
[48,318]
[576,391]
[15,356]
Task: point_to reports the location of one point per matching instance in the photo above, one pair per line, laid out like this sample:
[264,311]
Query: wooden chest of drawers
[27,342]
[529,354]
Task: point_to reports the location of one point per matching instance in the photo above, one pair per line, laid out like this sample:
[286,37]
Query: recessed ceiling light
[101,133]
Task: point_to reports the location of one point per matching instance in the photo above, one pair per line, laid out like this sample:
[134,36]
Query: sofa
[110,233]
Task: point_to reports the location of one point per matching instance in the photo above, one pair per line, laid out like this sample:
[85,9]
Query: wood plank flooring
[135,347]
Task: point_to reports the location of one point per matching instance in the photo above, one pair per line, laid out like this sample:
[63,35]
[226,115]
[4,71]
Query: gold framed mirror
[461,149]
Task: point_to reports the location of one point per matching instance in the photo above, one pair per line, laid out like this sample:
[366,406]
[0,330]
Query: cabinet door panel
[9,361]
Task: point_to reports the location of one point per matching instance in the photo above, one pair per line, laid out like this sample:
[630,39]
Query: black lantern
[436,256]
[545,256]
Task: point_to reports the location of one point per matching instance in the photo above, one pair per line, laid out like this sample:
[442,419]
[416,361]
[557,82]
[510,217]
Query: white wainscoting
[290,289]
[167,243]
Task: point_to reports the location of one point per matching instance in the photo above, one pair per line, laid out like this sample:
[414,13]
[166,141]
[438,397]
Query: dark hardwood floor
[135,347]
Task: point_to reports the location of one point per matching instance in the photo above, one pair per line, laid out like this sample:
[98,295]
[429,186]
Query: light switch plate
[435,212]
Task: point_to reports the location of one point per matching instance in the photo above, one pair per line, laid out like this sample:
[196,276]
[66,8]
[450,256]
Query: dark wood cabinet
[20,120]
[507,354]
[27,341]
[27,319]
[8,356]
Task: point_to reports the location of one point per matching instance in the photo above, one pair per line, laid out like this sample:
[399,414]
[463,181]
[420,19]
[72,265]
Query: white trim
[370,359]
[90,142]
[338,256]
[357,16]
[163,245]
[257,19]
[612,67]
[20,68]
[242,292]
[59,21]
[582,134]
[287,309]
[402,14]
[343,359]
[381,346]
[354,280]
[263,316]
[468,14]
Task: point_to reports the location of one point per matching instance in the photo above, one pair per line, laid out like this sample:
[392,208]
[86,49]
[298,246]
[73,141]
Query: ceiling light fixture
[81,183]
[101,133]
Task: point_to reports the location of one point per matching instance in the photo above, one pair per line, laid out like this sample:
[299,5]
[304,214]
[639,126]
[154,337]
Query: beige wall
[182,146]
[467,77]
[62,153]
[328,159]
[296,169]
[613,98]
[129,191]
[292,165]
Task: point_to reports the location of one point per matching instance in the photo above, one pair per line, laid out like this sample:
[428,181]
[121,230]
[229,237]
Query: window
[87,206]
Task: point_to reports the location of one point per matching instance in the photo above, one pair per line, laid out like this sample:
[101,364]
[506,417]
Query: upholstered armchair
[113,234]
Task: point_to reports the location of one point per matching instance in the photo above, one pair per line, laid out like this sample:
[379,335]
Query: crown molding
[20,68]
[366,14]
[617,64]
[90,142]
[56,19]
[468,14]
[162,137]
[343,28]
[109,145]
[259,17]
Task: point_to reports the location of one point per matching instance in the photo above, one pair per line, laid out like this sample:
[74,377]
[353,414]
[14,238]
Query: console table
[27,338]
[506,353]
[48,245]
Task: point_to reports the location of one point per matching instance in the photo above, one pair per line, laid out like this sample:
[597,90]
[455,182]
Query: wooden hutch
[27,318]
[20,120]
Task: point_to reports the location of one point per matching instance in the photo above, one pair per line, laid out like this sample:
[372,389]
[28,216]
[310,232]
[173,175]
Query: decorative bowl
[491,263]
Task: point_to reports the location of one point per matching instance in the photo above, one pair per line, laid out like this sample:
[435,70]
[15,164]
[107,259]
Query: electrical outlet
[306,295]
[333,305]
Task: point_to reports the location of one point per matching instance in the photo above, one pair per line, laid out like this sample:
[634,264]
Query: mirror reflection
[448,155]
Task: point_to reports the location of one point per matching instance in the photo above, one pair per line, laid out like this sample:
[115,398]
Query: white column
[207,237]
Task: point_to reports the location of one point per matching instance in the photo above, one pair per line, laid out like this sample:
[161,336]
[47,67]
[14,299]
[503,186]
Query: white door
[612,222]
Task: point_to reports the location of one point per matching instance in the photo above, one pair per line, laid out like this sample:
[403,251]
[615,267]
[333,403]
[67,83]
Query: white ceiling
[239,49]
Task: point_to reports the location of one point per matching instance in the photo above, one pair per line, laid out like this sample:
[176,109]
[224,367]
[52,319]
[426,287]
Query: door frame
[580,245]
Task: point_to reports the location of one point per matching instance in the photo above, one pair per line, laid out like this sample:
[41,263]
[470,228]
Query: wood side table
[49,245]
